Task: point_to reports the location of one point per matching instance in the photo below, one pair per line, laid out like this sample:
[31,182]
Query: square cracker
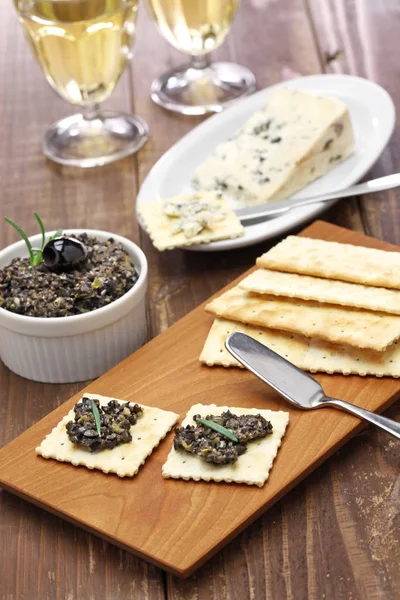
[332,260]
[252,467]
[329,291]
[125,459]
[330,358]
[308,354]
[350,326]
[159,225]
[290,346]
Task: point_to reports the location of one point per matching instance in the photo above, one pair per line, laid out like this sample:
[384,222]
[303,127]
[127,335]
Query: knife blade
[292,383]
[270,209]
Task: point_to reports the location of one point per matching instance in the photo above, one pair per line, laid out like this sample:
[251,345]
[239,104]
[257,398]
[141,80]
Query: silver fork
[292,383]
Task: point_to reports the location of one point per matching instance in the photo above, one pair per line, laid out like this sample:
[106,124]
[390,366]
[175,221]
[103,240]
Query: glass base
[81,142]
[192,90]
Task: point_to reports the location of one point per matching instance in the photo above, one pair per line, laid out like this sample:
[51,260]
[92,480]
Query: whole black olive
[63,253]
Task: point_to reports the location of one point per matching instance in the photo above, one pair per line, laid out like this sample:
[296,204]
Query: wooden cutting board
[175,524]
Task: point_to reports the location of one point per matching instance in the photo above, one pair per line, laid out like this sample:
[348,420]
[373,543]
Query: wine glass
[196,27]
[82,47]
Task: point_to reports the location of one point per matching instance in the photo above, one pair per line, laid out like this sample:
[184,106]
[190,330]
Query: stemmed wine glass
[196,27]
[82,47]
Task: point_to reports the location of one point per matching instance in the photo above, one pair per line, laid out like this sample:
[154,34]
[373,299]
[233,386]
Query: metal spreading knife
[292,383]
[273,209]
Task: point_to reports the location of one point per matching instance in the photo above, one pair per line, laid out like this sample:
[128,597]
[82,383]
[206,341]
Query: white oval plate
[373,116]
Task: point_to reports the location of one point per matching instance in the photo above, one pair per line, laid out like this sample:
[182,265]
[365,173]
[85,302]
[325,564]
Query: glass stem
[200,61]
[91,112]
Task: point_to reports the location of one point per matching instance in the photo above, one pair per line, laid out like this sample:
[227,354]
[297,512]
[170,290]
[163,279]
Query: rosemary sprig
[24,237]
[218,428]
[35,254]
[39,220]
[96,415]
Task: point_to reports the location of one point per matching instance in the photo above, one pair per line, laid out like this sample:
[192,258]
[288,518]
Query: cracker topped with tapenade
[111,435]
[203,451]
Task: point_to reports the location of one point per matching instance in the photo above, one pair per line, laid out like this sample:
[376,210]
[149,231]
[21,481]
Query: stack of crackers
[324,306]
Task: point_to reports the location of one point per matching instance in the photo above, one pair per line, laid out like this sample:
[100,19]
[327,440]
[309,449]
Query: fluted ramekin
[76,348]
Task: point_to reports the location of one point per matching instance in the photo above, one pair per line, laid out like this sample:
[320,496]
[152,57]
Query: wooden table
[337,534]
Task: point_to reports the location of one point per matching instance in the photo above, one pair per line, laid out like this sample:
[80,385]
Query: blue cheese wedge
[294,139]
[190,219]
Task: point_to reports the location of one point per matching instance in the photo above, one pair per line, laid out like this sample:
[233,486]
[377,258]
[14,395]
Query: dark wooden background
[336,536]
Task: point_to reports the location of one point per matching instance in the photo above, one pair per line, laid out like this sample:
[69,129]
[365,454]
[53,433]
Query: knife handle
[389,425]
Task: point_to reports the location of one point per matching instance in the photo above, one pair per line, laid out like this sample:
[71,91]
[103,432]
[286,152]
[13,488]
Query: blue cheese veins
[192,216]
[294,139]
[189,219]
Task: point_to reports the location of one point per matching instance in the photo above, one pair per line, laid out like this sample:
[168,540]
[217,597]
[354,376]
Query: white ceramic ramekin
[66,349]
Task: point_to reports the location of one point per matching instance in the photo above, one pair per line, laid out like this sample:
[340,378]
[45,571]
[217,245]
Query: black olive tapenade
[214,447]
[116,419]
[105,275]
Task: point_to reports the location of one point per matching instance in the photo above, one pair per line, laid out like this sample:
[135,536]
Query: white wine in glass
[82,47]
[196,27]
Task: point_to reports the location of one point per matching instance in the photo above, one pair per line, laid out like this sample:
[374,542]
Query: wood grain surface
[205,516]
[337,534]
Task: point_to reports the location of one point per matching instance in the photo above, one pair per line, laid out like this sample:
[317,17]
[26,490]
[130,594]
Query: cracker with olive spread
[125,459]
[251,467]
[191,219]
